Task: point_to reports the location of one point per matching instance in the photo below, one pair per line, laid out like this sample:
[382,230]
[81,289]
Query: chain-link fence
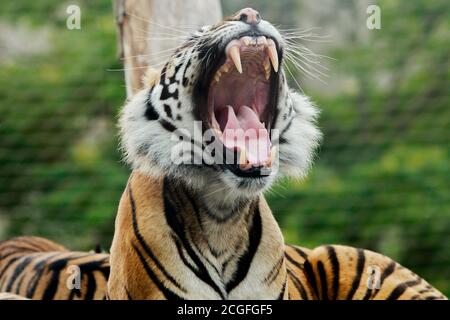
[380,180]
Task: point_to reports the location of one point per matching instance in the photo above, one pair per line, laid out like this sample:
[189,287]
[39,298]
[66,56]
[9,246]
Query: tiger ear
[151,77]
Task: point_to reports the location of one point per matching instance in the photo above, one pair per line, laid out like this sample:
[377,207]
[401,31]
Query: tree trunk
[149,30]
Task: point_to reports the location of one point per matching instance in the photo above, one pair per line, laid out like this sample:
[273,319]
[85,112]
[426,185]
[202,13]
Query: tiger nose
[249,16]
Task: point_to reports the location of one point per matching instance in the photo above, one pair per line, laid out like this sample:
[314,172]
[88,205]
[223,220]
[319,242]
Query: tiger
[193,222]
[40,269]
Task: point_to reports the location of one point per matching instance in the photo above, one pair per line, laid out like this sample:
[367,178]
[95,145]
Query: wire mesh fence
[380,180]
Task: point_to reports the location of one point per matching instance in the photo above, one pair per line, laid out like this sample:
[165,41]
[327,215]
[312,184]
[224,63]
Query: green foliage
[61,175]
[381,176]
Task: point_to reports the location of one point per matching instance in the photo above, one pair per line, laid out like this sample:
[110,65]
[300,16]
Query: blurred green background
[381,176]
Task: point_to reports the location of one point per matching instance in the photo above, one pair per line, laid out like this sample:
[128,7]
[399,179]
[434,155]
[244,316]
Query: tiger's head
[221,117]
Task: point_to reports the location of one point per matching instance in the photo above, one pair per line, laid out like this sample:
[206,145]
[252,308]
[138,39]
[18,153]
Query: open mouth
[240,108]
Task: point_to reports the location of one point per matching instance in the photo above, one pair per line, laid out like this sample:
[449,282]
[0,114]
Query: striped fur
[39,269]
[167,245]
[338,272]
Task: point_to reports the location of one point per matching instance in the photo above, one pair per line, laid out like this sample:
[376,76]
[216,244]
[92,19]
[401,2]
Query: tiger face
[221,117]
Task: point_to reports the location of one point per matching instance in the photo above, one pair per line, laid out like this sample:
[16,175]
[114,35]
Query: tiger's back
[336,272]
[40,269]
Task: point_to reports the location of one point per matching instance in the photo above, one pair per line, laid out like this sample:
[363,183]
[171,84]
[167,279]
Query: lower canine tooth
[243,159]
[273,153]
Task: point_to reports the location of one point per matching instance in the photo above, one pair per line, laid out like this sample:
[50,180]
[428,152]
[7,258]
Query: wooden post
[149,29]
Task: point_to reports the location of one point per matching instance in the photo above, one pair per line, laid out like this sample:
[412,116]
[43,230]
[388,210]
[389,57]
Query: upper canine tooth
[273,54]
[236,57]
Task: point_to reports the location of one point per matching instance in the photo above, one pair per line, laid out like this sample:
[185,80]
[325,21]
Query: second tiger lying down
[39,269]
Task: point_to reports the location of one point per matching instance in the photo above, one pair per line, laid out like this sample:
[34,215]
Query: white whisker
[292,76]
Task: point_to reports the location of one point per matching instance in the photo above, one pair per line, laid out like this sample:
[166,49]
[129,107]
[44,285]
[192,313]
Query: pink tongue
[246,132]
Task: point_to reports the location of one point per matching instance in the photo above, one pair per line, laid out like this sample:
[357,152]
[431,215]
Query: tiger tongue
[245,131]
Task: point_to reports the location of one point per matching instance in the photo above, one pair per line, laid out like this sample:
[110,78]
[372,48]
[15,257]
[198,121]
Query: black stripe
[401,288]
[167,125]
[286,128]
[283,289]
[185,79]
[74,292]
[368,294]
[292,261]
[145,246]
[19,283]
[168,294]
[52,286]
[300,252]
[128,294]
[183,257]
[335,270]
[386,273]
[38,271]
[275,271]
[246,259]
[5,268]
[105,271]
[177,226]
[168,110]
[311,277]
[150,112]
[359,271]
[166,94]
[298,285]
[91,287]
[181,205]
[323,280]
[17,271]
